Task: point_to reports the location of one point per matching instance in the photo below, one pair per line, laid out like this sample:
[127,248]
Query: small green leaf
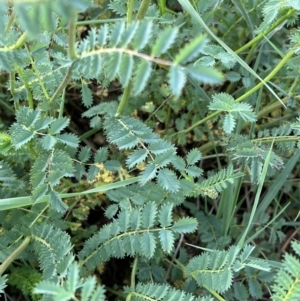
[165,215]
[56,202]
[194,171]
[177,79]
[149,215]
[50,288]
[85,154]
[73,277]
[116,33]
[148,244]
[168,180]
[233,76]
[164,41]
[148,173]
[207,75]
[143,72]
[102,35]
[58,125]
[129,34]
[193,157]
[101,155]
[229,123]
[178,163]
[68,139]
[126,69]
[92,172]
[143,35]
[48,142]
[3,284]
[20,135]
[88,288]
[191,50]
[185,225]
[165,158]
[136,157]
[113,65]
[112,165]
[39,192]
[87,97]
[166,238]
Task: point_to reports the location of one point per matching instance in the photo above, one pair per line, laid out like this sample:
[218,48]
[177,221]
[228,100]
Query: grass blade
[10,203]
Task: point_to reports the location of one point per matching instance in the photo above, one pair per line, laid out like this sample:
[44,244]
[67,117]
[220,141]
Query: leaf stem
[133,272]
[10,22]
[17,45]
[5,264]
[142,10]
[62,86]
[129,11]
[259,37]
[124,100]
[72,38]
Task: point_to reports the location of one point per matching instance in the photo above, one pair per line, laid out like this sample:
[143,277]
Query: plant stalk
[14,255]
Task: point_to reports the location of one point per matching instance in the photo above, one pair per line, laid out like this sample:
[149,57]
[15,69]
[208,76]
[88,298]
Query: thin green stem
[17,45]
[129,11]
[14,255]
[62,104]
[295,85]
[27,87]
[142,10]
[261,36]
[124,100]
[88,134]
[72,38]
[270,76]
[133,272]
[10,22]
[62,86]
[99,21]
[12,87]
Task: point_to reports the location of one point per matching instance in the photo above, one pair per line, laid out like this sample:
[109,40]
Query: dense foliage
[149,150]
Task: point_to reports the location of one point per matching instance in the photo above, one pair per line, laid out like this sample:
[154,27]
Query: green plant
[148,178]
